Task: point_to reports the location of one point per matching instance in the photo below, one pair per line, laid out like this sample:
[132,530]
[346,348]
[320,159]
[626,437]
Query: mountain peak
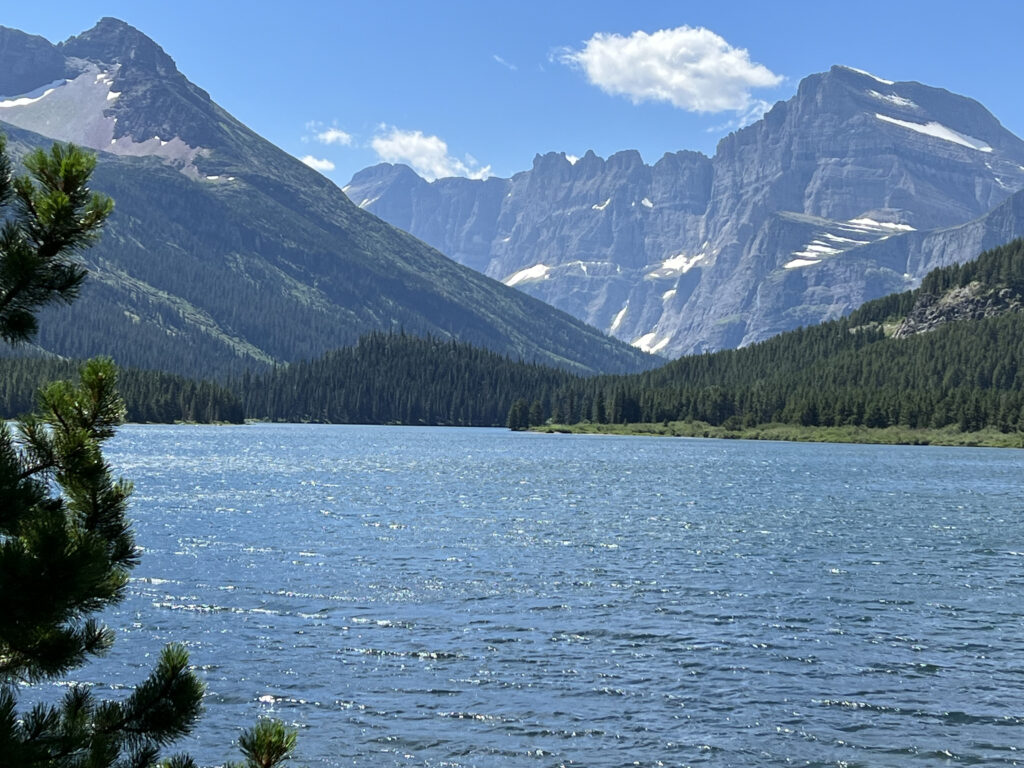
[113,41]
[386,172]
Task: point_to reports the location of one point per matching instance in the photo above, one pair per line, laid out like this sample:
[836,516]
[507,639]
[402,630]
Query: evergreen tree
[536,414]
[518,416]
[66,547]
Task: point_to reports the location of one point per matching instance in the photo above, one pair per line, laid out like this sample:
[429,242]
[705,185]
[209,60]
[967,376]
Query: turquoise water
[458,597]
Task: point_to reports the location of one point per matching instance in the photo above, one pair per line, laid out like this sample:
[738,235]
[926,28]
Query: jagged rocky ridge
[224,251]
[853,189]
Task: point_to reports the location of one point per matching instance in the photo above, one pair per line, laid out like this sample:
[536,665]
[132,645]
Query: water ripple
[483,598]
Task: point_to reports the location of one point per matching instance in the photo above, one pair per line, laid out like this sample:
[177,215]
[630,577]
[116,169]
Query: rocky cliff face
[802,216]
[32,61]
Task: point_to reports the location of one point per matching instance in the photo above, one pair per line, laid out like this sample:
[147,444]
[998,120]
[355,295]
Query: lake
[477,597]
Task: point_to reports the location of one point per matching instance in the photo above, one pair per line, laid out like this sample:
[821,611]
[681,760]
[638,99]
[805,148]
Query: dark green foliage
[401,379]
[536,414]
[841,373]
[999,268]
[65,544]
[518,416]
[265,745]
[68,554]
[55,215]
[83,731]
[150,396]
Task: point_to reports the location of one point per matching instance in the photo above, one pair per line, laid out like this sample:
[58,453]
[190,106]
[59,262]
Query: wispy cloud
[757,110]
[427,155]
[504,63]
[319,163]
[691,68]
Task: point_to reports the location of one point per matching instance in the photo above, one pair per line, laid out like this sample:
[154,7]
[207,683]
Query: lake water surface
[474,597]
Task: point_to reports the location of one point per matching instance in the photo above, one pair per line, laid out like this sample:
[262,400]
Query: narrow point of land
[985,438]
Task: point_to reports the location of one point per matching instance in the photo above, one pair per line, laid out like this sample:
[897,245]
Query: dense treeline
[150,396]
[969,374]
[402,379]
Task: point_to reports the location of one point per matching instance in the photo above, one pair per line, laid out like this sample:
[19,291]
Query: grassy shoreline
[986,438]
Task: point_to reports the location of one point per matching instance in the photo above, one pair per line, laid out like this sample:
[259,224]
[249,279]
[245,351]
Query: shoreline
[949,436]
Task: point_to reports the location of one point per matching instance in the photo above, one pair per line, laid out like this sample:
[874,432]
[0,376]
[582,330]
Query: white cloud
[320,164]
[504,63]
[427,155]
[691,68]
[334,136]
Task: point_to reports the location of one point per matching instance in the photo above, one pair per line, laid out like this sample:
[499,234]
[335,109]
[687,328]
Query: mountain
[852,189]
[224,251]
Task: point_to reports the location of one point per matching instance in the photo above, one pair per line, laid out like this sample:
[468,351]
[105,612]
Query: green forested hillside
[261,260]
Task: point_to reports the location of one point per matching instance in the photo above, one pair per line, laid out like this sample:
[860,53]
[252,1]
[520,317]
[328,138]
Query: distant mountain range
[225,252]
[853,189]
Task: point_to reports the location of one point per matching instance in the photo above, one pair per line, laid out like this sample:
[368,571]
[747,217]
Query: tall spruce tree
[66,547]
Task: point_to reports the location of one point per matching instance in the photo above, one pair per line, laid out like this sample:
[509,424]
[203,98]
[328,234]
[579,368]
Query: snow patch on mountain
[536,272]
[617,320]
[892,98]
[883,81]
[24,99]
[844,240]
[865,223]
[679,264]
[796,263]
[812,253]
[825,244]
[939,131]
[816,249]
[174,151]
[648,342]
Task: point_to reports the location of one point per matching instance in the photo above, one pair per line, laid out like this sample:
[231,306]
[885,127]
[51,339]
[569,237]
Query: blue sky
[476,88]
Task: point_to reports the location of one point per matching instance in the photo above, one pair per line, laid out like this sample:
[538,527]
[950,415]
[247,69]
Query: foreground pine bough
[66,547]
